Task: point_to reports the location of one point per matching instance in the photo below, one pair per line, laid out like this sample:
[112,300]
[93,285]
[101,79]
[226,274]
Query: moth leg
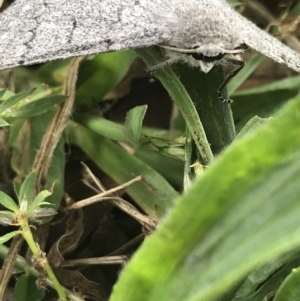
[164,64]
[229,76]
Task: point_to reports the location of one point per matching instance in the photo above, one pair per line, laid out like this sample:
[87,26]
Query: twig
[97,198]
[9,263]
[121,259]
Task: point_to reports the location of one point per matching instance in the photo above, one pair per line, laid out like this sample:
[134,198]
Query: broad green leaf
[8,202]
[39,200]
[8,236]
[37,107]
[290,288]
[7,104]
[28,187]
[215,115]
[27,290]
[134,123]
[242,212]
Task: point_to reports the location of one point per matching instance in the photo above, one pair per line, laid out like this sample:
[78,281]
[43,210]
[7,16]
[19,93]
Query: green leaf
[290,288]
[28,187]
[7,104]
[249,68]
[183,101]
[253,124]
[114,130]
[39,200]
[295,10]
[99,74]
[215,115]
[134,122]
[54,73]
[3,123]
[2,92]
[8,236]
[27,290]
[242,212]
[37,107]
[153,194]
[290,83]
[8,202]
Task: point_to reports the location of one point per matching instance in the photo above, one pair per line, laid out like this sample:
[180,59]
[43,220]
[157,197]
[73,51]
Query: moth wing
[269,46]
[37,31]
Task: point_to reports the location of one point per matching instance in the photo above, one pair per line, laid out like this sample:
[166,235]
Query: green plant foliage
[36,108]
[27,290]
[225,226]
[8,236]
[154,194]
[8,202]
[133,123]
[27,188]
[11,101]
[289,290]
[101,73]
[221,181]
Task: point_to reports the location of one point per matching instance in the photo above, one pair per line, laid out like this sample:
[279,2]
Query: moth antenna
[183,50]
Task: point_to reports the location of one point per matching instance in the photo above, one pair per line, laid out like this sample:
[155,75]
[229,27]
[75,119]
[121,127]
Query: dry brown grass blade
[147,222]
[57,125]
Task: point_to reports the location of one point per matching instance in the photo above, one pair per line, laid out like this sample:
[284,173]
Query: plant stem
[40,257]
[21,264]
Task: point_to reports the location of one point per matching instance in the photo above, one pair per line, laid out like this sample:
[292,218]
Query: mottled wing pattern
[36,31]
[269,46]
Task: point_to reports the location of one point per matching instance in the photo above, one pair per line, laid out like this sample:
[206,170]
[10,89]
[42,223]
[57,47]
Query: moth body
[202,33]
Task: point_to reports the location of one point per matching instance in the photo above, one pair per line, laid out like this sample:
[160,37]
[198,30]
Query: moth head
[204,56]
[206,31]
